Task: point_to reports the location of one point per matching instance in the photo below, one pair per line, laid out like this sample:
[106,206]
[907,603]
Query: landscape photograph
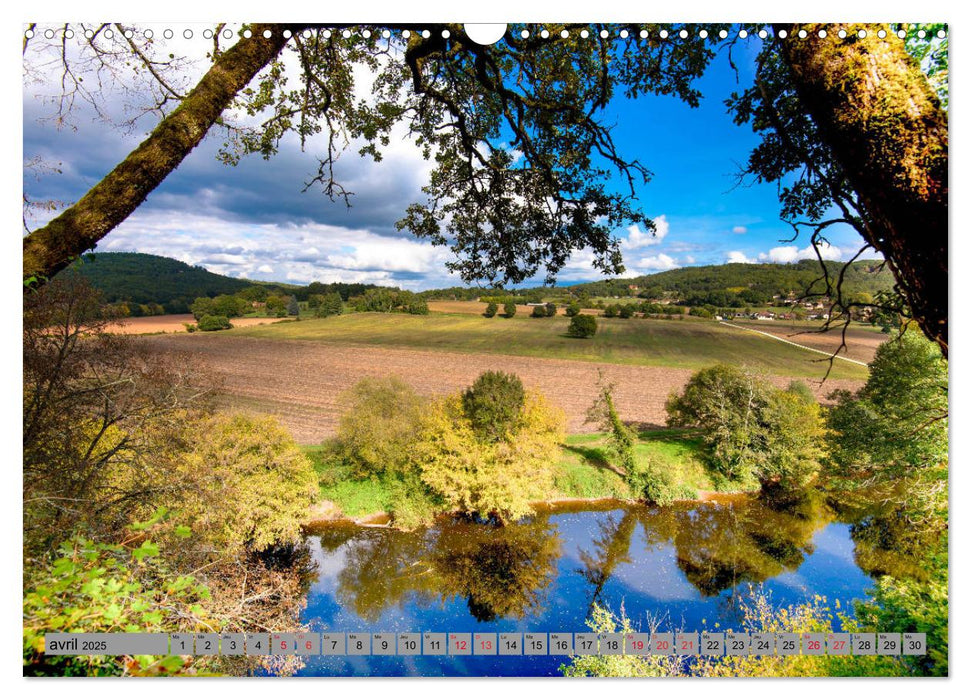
[402,350]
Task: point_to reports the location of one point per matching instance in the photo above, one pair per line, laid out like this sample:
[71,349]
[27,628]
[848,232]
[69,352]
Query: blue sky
[253,220]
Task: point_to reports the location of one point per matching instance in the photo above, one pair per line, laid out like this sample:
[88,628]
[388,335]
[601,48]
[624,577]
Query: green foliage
[491,309]
[276,305]
[897,423]
[572,309]
[390,301]
[85,586]
[202,306]
[932,54]
[752,284]
[751,429]
[255,486]
[611,311]
[604,414]
[627,311]
[914,606]
[229,306]
[582,326]
[493,404]
[143,279]
[379,424]
[648,478]
[329,304]
[214,323]
[538,312]
[509,309]
[550,309]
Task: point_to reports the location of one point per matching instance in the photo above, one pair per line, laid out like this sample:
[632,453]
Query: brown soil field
[173,323]
[300,381]
[861,343]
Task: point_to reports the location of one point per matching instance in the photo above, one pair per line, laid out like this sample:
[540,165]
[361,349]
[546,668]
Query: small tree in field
[573,309]
[493,404]
[509,309]
[491,310]
[550,309]
[214,323]
[293,307]
[539,312]
[582,326]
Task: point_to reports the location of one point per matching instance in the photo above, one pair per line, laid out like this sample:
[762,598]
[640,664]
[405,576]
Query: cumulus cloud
[737,256]
[639,239]
[791,253]
[302,253]
[657,262]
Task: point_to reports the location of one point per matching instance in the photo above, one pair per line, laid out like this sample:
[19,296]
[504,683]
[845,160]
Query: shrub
[627,311]
[493,404]
[750,428]
[539,312]
[611,311]
[202,306]
[190,327]
[582,326]
[380,421]
[572,309]
[509,309]
[214,323]
[492,479]
[254,486]
[491,310]
[897,422]
[550,309]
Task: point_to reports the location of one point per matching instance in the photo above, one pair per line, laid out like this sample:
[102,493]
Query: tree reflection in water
[501,572]
[506,572]
[718,544]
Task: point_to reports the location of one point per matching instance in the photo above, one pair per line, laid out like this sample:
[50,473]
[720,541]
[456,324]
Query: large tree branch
[51,248]
[885,125]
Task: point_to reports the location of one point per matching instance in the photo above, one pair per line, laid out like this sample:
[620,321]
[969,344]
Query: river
[684,566]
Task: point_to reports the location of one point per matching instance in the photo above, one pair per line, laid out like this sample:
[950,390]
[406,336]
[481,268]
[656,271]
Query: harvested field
[299,381]
[174,323]
[861,342]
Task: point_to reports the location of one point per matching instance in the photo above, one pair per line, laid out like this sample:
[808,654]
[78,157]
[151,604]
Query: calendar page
[525,349]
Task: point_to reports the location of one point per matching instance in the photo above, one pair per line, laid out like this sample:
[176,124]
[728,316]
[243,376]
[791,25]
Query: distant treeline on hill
[153,284]
[754,283]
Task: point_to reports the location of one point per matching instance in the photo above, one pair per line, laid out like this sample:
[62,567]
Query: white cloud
[282,251]
[739,229]
[826,251]
[657,262]
[737,256]
[781,254]
[791,253]
[639,239]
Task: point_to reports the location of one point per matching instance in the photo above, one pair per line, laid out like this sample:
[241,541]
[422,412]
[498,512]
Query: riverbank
[583,476]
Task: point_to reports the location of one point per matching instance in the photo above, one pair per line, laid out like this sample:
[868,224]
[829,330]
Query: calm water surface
[686,564]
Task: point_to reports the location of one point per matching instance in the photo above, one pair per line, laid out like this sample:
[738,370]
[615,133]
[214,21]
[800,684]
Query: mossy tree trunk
[51,248]
[880,116]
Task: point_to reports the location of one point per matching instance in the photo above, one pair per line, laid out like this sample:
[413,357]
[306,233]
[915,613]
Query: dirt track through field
[299,381]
